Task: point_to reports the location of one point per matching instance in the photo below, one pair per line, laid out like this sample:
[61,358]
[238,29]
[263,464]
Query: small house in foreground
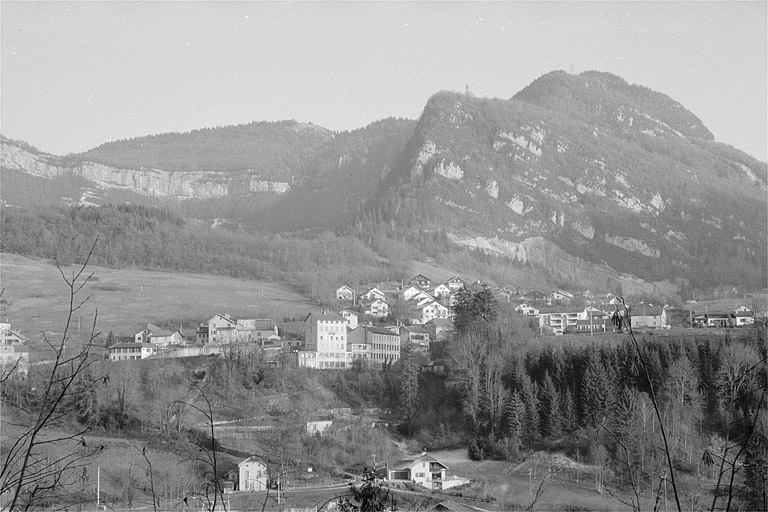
[424,469]
[254,475]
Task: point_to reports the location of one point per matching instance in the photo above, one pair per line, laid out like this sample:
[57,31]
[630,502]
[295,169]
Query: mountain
[586,168]
[586,178]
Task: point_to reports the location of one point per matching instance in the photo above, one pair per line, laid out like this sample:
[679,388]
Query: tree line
[596,402]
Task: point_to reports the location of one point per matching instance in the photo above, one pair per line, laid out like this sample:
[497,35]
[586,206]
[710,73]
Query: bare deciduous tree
[43,463]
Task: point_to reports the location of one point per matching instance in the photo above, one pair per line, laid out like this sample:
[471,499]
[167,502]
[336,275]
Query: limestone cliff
[148,182]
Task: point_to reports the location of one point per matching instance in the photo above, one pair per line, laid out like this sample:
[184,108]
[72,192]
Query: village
[369,329]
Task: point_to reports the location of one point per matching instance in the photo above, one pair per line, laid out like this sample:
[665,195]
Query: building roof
[252,458]
[325,317]
[409,463]
[14,333]
[560,311]
[441,322]
[131,344]
[264,324]
[380,330]
[224,317]
[163,333]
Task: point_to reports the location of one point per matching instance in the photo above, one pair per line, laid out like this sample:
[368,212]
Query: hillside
[590,180]
[580,168]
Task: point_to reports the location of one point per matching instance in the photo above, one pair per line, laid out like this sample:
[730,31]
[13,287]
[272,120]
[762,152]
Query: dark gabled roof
[409,463]
[647,311]
[163,333]
[264,324]
[381,330]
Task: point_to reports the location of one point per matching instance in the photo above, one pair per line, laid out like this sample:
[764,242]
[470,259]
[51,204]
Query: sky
[74,75]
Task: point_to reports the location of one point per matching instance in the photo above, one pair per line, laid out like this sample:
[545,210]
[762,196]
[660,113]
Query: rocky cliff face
[149,182]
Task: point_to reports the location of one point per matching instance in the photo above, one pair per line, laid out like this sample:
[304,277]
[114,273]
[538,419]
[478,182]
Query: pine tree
[529,393]
[569,412]
[513,421]
[551,409]
[409,389]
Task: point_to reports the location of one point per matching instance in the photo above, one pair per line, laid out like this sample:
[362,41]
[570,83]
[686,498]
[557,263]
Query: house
[744,317]
[527,310]
[441,329]
[442,290]
[430,310]
[438,366]
[13,352]
[377,309]
[560,297]
[558,320]
[373,346]
[424,469]
[318,427]
[222,329]
[143,335]
[411,292]
[344,292]
[131,351]
[720,319]
[373,294]
[157,336]
[202,334]
[351,317]
[456,283]
[231,481]
[306,359]
[254,474]
[257,330]
[165,337]
[420,281]
[649,317]
[417,335]
[326,335]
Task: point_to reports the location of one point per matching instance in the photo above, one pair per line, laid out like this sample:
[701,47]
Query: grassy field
[35,298]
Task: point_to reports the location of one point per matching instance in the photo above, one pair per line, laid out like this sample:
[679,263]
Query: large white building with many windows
[374,346]
[326,335]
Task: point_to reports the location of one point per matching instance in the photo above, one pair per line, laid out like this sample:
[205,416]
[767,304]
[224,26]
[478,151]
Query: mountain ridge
[599,172]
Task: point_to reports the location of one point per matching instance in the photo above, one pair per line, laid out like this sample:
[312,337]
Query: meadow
[35,299]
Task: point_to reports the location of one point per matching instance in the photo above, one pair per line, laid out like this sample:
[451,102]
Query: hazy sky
[76,74]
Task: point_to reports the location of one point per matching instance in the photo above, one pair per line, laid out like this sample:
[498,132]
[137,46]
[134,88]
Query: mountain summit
[582,169]
[590,179]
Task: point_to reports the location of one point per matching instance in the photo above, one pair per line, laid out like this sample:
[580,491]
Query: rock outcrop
[149,182]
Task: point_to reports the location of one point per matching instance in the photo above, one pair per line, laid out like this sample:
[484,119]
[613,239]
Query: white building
[13,351]
[254,475]
[326,335]
[131,351]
